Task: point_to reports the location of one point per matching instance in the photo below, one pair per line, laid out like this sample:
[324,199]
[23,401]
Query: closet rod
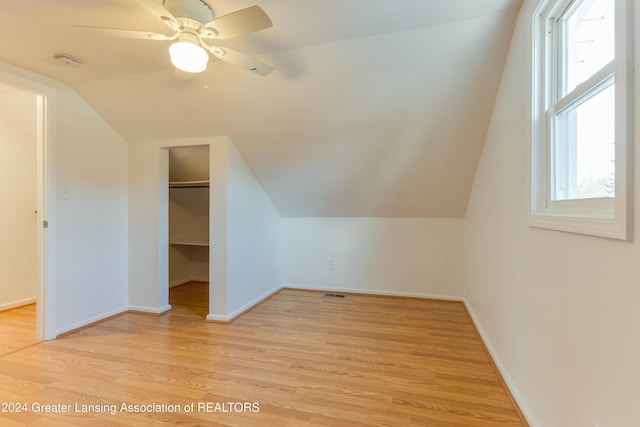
[188,184]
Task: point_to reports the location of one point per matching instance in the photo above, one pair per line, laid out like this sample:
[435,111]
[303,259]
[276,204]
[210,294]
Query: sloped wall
[559,310]
[253,238]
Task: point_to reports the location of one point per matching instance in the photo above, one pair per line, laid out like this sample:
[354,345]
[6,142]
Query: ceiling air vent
[67,60]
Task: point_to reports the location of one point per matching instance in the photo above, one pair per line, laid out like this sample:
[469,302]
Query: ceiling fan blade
[241,60]
[241,22]
[129,34]
[160,12]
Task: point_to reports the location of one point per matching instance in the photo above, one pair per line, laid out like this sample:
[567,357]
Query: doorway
[188,222]
[23,188]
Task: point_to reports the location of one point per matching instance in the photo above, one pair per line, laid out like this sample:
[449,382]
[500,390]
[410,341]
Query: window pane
[589,38]
[583,153]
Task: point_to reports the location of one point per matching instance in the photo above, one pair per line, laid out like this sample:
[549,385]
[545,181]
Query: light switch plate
[64,193]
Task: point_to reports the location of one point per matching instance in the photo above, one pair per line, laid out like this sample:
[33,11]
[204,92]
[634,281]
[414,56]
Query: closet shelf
[188,184]
[191,241]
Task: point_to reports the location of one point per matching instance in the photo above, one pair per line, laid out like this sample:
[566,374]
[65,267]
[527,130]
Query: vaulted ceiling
[375,107]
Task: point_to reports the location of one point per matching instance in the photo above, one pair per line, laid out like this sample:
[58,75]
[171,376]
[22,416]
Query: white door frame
[46,190]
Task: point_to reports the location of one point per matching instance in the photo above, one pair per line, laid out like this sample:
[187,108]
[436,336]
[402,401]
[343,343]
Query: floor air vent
[334,295]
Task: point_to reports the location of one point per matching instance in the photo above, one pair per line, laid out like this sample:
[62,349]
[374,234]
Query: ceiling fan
[192,23]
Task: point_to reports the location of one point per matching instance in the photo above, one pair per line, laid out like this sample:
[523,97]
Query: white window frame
[603,217]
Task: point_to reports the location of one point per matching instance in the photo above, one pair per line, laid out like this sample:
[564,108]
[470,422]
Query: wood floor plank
[303,359]
[17,328]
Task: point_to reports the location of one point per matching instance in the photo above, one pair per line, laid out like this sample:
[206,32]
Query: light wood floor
[301,358]
[17,329]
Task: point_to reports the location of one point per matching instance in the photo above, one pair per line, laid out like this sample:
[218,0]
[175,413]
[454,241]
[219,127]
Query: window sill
[591,226]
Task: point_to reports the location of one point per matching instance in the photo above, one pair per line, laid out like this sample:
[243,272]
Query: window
[582,117]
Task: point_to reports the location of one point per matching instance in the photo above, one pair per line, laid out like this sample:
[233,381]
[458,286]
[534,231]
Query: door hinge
[45,224]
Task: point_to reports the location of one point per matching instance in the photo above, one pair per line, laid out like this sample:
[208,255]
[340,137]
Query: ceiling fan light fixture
[187,54]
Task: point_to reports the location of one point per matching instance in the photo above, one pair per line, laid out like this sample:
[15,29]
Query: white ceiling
[375,107]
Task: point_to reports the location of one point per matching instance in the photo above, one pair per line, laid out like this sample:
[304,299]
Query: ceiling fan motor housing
[196,10]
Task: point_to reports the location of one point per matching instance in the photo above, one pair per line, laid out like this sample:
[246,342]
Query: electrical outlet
[330,264]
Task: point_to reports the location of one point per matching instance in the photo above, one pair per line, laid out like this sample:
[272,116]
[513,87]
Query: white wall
[92,223]
[18,283]
[559,311]
[253,238]
[397,256]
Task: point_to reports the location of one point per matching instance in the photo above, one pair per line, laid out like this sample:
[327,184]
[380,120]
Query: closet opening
[188,224]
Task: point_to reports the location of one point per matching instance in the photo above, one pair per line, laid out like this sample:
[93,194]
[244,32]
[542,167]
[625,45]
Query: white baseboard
[151,310]
[89,321]
[372,292]
[16,304]
[244,308]
[178,283]
[217,318]
[500,365]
